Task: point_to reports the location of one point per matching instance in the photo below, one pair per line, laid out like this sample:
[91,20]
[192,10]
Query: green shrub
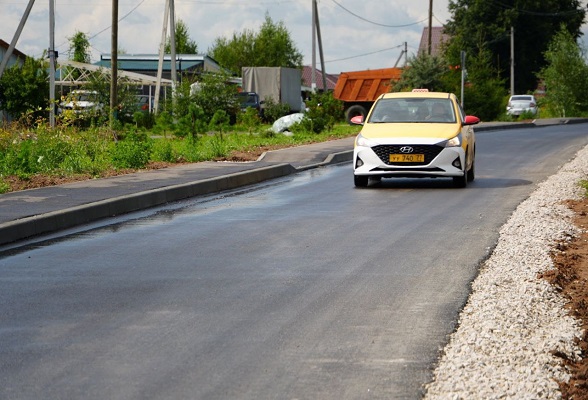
[132,152]
[163,151]
[192,123]
[218,146]
[323,111]
[273,111]
[220,121]
[249,119]
[4,186]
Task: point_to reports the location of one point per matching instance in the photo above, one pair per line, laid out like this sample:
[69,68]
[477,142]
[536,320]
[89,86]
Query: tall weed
[132,152]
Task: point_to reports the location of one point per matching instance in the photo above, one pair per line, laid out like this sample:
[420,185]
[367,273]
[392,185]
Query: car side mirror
[357,120]
[471,120]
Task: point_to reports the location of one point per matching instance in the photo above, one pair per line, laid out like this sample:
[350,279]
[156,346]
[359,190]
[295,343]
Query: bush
[132,152]
[249,119]
[192,123]
[323,111]
[163,151]
[220,121]
[273,111]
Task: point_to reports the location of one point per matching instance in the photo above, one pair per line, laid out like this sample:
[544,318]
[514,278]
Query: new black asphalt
[33,212]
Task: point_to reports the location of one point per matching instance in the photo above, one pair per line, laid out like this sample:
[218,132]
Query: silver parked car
[519,104]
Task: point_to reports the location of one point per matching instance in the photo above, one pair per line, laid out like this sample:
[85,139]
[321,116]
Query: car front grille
[384,151]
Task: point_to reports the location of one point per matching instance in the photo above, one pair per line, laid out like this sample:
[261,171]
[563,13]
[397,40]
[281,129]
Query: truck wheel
[354,111]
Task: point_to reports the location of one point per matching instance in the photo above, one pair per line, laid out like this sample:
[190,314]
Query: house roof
[307,78]
[16,54]
[438,37]
[150,62]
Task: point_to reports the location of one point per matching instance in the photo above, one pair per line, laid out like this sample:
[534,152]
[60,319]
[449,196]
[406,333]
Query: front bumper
[439,161]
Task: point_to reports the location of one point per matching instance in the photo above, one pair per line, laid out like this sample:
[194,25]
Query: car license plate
[407,158]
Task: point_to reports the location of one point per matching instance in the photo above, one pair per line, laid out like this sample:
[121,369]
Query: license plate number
[407,158]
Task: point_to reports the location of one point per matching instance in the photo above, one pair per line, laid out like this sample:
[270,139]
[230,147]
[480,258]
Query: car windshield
[521,98]
[85,97]
[247,98]
[402,110]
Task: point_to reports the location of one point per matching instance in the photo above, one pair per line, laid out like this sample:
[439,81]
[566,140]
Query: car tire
[472,172]
[360,181]
[460,181]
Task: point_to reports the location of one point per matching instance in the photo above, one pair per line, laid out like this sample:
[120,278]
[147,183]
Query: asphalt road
[299,288]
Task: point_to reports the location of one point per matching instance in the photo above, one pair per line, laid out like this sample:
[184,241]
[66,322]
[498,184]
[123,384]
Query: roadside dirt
[570,260]
[571,275]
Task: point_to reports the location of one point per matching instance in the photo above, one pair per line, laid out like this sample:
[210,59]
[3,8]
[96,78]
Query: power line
[366,54]
[377,23]
[119,20]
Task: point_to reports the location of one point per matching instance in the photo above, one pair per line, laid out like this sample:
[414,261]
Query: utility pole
[320,43]
[430,38]
[313,67]
[114,63]
[161,53]
[52,63]
[172,40]
[512,62]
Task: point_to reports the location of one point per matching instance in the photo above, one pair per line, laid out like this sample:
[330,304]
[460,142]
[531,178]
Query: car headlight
[454,142]
[364,142]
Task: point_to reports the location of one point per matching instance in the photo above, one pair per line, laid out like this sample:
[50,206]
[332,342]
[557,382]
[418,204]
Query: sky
[356,35]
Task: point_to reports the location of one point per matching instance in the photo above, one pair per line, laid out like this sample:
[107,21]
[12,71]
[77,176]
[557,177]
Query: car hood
[410,130]
[79,104]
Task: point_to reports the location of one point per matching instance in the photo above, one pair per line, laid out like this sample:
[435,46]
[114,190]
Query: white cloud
[344,35]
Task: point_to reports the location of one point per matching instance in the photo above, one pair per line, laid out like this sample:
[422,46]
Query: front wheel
[360,181]
[471,173]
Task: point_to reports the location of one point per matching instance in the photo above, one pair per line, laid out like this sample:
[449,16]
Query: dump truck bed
[359,86]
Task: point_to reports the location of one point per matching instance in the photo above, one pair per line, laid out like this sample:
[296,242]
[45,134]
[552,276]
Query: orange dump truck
[359,89]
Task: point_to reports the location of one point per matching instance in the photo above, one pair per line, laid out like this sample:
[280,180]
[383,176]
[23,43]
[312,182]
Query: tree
[25,90]
[424,71]
[79,45]
[184,45]
[485,90]
[485,25]
[565,77]
[272,46]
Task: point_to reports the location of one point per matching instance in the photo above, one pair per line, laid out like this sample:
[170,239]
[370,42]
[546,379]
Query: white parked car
[417,134]
[519,104]
[81,101]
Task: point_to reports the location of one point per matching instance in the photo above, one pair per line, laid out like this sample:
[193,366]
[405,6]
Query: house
[438,38]
[307,79]
[16,58]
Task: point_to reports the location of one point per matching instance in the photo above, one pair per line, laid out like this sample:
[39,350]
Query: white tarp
[283,85]
[282,124]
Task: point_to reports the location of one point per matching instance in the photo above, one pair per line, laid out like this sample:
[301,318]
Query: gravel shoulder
[521,334]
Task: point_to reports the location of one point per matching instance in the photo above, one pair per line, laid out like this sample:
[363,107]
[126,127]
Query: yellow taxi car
[415,134]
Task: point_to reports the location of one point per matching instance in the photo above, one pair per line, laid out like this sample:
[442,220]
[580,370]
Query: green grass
[68,151]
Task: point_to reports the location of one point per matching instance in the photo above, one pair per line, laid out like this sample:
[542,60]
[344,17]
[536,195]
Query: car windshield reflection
[409,110]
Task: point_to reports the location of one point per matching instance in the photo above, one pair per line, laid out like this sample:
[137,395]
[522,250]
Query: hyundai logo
[406,149]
